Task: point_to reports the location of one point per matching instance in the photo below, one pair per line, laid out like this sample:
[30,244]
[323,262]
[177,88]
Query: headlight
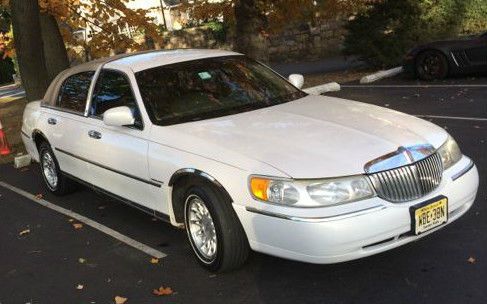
[311,193]
[341,190]
[274,190]
[450,153]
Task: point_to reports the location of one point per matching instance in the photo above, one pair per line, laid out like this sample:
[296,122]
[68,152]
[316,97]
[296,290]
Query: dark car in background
[439,59]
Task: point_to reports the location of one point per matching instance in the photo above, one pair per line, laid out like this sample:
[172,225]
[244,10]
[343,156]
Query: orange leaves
[39,196]
[120,300]
[154,261]
[24,232]
[108,25]
[161,291]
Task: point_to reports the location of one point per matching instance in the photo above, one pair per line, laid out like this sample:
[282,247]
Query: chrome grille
[409,182]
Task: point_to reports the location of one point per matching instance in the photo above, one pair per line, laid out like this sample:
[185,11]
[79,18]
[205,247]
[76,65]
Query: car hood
[313,137]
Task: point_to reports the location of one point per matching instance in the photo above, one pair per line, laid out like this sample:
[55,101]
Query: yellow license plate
[429,215]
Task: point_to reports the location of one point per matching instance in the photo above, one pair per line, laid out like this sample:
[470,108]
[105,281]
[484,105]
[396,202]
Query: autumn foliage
[278,14]
[104,25]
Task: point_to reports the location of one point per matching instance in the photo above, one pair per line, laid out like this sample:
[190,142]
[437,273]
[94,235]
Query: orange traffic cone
[4,146]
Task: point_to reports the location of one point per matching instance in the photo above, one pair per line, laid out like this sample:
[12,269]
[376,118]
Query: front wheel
[431,65]
[214,231]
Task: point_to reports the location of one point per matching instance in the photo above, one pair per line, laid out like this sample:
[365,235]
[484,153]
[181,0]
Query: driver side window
[113,90]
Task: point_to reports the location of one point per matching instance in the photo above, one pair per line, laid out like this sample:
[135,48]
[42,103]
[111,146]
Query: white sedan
[222,146]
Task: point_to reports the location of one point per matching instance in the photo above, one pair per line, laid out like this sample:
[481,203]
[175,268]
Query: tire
[231,247]
[431,65]
[54,180]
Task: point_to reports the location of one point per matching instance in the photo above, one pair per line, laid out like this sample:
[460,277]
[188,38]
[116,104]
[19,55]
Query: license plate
[429,215]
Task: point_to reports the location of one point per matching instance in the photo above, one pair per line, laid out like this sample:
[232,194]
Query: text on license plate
[431,215]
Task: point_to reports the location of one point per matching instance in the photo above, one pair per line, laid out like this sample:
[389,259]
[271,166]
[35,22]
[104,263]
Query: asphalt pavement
[44,266]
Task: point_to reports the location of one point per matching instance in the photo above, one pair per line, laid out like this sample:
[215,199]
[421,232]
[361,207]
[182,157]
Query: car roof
[134,61]
[146,60]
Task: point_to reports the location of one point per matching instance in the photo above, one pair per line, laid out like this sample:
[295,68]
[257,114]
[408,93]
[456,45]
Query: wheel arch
[432,49]
[179,182]
[37,138]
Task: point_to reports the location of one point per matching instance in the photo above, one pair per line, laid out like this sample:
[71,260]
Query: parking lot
[44,258]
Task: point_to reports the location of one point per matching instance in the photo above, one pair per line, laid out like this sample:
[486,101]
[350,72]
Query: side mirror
[118,117]
[296,80]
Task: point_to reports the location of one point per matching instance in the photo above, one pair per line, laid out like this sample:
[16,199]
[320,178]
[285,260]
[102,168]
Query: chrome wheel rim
[49,170]
[201,228]
[431,66]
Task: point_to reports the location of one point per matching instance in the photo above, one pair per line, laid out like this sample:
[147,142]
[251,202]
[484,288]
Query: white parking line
[116,235]
[453,117]
[414,86]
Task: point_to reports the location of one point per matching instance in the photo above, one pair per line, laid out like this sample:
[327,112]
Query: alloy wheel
[201,229]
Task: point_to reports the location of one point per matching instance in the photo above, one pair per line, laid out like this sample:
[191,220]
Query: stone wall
[307,43]
[196,37]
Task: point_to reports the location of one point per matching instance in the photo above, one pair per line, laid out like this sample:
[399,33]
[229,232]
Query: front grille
[409,182]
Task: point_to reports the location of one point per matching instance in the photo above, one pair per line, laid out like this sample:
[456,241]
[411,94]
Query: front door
[476,52]
[118,155]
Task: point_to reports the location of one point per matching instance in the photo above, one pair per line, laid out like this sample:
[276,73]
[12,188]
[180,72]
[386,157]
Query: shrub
[383,34]
[219,30]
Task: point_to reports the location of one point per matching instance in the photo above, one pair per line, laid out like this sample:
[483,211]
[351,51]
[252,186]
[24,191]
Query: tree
[44,29]
[250,29]
[55,55]
[29,47]
[110,25]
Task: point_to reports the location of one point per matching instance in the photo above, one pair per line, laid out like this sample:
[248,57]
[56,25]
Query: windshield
[211,87]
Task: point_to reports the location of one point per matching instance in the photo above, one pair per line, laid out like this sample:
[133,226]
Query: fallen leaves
[154,260]
[471,260]
[163,291]
[77,225]
[24,232]
[120,300]
[39,196]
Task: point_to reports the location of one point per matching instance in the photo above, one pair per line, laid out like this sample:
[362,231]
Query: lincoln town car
[243,159]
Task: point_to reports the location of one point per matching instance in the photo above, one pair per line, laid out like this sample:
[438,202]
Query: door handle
[94,134]
[52,121]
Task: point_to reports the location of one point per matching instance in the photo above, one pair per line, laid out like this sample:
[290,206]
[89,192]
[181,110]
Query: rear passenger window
[74,92]
[113,90]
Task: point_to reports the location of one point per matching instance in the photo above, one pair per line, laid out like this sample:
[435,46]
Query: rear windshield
[212,87]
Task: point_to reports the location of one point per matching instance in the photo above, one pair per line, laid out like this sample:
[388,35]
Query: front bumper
[355,234]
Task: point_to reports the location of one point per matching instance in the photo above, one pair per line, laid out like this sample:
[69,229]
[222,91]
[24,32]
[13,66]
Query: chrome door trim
[110,169]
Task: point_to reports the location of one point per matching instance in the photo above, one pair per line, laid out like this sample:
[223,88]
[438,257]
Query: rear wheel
[214,231]
[54,180]
[431,65]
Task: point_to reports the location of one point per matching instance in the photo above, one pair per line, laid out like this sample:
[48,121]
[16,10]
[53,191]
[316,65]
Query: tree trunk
[56,57]
[28,45]
[250,26]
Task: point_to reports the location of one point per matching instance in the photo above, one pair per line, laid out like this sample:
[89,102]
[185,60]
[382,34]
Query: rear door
[64,124]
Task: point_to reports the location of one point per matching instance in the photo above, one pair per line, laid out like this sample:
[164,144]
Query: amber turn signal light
[259,187]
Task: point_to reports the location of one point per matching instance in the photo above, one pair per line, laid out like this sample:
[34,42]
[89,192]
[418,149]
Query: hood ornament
[401,157]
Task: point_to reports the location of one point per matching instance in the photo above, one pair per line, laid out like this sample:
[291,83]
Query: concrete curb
[323,88]
[381,75]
